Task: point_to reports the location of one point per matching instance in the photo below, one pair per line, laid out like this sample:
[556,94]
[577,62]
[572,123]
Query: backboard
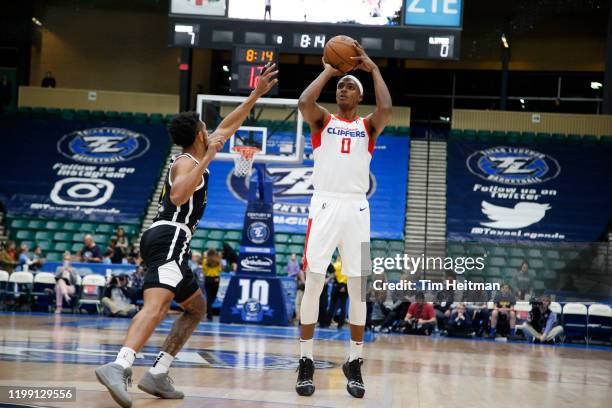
[274,126]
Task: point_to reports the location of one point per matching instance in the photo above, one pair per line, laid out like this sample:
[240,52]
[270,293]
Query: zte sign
[439,13]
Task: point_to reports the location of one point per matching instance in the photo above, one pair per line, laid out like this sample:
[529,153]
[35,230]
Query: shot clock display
[247,64]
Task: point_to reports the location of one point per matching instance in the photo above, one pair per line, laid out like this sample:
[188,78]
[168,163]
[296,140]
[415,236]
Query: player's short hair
[184,128]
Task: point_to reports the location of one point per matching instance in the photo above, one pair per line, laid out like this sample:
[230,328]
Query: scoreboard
[417,29]
[247,64]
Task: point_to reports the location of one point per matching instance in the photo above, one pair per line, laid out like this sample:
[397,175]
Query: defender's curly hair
[184,128]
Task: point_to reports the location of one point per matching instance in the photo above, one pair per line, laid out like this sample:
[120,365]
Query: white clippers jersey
[342,153]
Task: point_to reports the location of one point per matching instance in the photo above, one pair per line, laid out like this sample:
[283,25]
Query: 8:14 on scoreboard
[309,40]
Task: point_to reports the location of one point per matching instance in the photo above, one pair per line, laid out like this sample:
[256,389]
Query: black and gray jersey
[190,212]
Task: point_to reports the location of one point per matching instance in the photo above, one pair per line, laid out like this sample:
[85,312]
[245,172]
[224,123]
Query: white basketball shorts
[337,221]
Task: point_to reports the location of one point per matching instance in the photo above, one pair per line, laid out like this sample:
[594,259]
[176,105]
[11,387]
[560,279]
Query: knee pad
[357,307]
[309,311]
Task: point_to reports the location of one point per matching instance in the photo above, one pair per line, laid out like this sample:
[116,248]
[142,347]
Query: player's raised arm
[378,119]
[314,114]
[186,177]
[234,120]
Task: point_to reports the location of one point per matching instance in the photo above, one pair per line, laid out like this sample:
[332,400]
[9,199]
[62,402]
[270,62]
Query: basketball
[338,52]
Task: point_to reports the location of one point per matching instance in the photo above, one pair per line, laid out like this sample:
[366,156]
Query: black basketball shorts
[164,249]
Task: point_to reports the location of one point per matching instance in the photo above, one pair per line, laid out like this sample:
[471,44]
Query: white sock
[355,350]
[162,363]
[306,348]
[125,357]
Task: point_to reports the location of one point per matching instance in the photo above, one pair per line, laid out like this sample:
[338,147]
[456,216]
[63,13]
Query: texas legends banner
[542,192]
[79,170]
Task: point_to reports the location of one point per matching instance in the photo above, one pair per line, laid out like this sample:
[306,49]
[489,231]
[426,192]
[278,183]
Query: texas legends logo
[513,165]
[104,145]
[292,188]
[258,232]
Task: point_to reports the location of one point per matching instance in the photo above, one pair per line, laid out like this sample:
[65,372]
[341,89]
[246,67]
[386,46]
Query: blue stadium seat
[558,137]
[600,322]
[298,239]
[62,236]
[201,233]
[575,321]
[140,118]
[68,114]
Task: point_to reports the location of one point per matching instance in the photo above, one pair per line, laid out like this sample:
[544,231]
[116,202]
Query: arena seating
[56,236]
[526,137]
[153,118]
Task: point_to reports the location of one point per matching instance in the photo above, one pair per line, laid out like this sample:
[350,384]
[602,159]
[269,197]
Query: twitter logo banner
[541,192]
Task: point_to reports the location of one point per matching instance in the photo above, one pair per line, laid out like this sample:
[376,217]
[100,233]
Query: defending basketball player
[165,251]
[343,144]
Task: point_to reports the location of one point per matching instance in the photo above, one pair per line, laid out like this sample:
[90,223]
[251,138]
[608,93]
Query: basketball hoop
[244,161]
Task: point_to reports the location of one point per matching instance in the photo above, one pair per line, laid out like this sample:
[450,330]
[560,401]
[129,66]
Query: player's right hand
[215,143]
[331,69]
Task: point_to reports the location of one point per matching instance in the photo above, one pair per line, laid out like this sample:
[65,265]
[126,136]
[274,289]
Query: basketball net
[244,161]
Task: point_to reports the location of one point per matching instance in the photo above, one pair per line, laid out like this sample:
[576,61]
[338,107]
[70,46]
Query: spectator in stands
[195,264]
[443,301]
[397,306]
[542,325]
[136,283]
[116,252]
[8,257]
[293,268]
[122,241]
[37,259]
[375,301]
[300,280]
[522,282]
[24,258]
[106,257]
[212,277]
[30,261]
[324,319]
[339,294]
[134,255]
[6,93]
[118,297]
[65,282]
[230,256]
[503,308]
[421,317]
[48,81]
[460,322]
[90,251]
[479,309]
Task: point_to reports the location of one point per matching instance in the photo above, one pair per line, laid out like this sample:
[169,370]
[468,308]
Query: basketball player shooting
[165,251]
[343,144]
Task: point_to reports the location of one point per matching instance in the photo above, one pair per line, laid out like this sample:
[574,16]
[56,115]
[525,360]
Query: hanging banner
[78,170]
[552,192]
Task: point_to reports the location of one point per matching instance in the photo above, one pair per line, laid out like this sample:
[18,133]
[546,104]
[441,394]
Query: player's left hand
[267,80]
[364,62]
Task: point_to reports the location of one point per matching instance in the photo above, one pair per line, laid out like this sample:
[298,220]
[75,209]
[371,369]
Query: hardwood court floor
[251,366]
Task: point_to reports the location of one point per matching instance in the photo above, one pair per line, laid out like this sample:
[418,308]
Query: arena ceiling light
[596,85]
[37,21]
[504,41]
